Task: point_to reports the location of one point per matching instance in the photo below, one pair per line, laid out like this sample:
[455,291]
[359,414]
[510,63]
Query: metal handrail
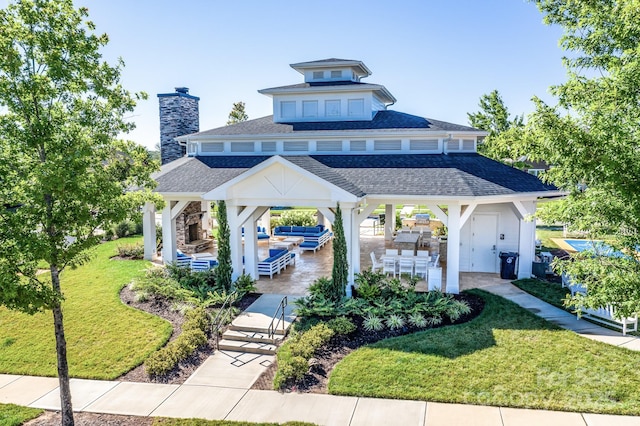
[223,314]
[272,328]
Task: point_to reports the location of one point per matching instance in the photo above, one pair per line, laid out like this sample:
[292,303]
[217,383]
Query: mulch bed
[339,347]
[162,308]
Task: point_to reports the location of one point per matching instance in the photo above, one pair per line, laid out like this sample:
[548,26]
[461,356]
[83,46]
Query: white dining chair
[406,266]
[421,266]
[423,253]
[389,266]
[436,261]
[407,252]
[391,252]
[374,263]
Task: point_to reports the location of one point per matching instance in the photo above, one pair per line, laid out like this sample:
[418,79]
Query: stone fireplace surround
[191,215]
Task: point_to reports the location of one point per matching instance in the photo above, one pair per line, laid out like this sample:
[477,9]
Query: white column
[347,223]
[206,218]
[251,247]
[453,249]
[527,246]
[265,221]
[169,247]
[320,216]
[235,241]
[389,221]
[149,230]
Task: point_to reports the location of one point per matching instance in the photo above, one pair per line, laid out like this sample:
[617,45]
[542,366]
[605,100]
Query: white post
[251,247]
[149,230]
[206,218]
[235,241]
[527,246]
[265,220]
[453,249]
[169,247]
[389,221]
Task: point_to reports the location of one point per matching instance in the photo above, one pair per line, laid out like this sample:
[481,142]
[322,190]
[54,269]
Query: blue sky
[436,57]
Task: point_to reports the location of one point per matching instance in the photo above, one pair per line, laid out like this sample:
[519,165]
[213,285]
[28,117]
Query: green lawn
[506,356]
[552,293]
[15,415]
[105,338]
[545,233]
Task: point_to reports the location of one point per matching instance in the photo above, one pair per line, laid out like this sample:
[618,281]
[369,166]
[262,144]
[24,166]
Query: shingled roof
[428,175]
[382,122]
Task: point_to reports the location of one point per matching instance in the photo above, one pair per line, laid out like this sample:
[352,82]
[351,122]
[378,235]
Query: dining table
[407,241]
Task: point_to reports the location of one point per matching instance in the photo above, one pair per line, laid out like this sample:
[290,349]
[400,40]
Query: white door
[484,238]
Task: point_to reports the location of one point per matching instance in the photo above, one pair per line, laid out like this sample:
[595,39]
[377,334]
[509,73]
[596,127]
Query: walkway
[562,318]
[220,389]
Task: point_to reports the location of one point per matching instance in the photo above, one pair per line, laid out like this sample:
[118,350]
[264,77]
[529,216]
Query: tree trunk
[61,351]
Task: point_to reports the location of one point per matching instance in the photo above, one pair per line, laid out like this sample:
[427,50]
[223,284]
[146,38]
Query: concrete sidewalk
[562,318]
[232,403]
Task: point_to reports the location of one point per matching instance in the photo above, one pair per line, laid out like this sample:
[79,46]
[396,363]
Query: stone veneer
[179,115]
[192,214]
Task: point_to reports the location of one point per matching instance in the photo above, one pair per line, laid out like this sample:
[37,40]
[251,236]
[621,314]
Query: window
[329,146]
[268,146]
[242,146]
[468,144]
[384,145]
[453,145]
[288,109]
[309,108]
[336,74]
[356,107]
[332,108]
[296,146]
[358,145]
[318,75]
[423,145]
[212,147]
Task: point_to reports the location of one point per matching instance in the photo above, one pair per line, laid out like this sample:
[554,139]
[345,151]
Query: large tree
[340,270]
[504,133]
[592,139]
[237,114]
[63,174]
[224,269]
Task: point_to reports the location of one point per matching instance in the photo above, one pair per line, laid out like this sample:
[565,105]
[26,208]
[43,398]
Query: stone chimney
[179,116]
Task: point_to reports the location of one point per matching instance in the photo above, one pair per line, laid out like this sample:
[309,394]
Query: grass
[505,357]
[545,233]
[552,293]
[14,415]
[200,422]
[105,338]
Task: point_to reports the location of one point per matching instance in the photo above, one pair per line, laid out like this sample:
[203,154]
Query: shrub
[292,369]
[192,337]
[341,326]
[305,323]
[417,319]
[244,284]
[296,218]
[125,228]
[395,322]
[457,308]
[200,284]
[307,343]
[321,287]
[372,323]
[158,282]
[132,251]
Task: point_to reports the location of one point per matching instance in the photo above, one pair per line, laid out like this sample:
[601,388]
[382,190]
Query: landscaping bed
[339,346]
[163,308]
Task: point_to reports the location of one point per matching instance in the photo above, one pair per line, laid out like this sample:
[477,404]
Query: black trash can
[508,265]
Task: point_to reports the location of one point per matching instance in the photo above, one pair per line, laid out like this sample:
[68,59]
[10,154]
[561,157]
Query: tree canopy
[592,139]
[237,114]
[63,173]
[503,141]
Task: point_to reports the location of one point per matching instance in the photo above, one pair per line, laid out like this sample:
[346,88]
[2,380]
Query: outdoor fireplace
[193,232]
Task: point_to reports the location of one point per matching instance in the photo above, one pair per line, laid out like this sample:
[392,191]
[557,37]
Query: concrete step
[256,329]
[252,336]
[251,347]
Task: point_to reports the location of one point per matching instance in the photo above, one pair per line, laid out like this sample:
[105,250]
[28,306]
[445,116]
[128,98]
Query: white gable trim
[221,192]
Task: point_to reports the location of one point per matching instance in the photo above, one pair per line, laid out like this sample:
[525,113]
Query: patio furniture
[421,267]
[374,263]
[436,261]
[391,252]
[406,266]
[282,244]
[422,253]
[200,265]
[278,260]
[294,240]
[434,279]
[389,265]
[406,252]
[407,241]
[183,262]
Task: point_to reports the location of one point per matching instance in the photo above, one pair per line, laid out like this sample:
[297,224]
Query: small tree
[340,271]
[237,114]
[224,268]
[63,175]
